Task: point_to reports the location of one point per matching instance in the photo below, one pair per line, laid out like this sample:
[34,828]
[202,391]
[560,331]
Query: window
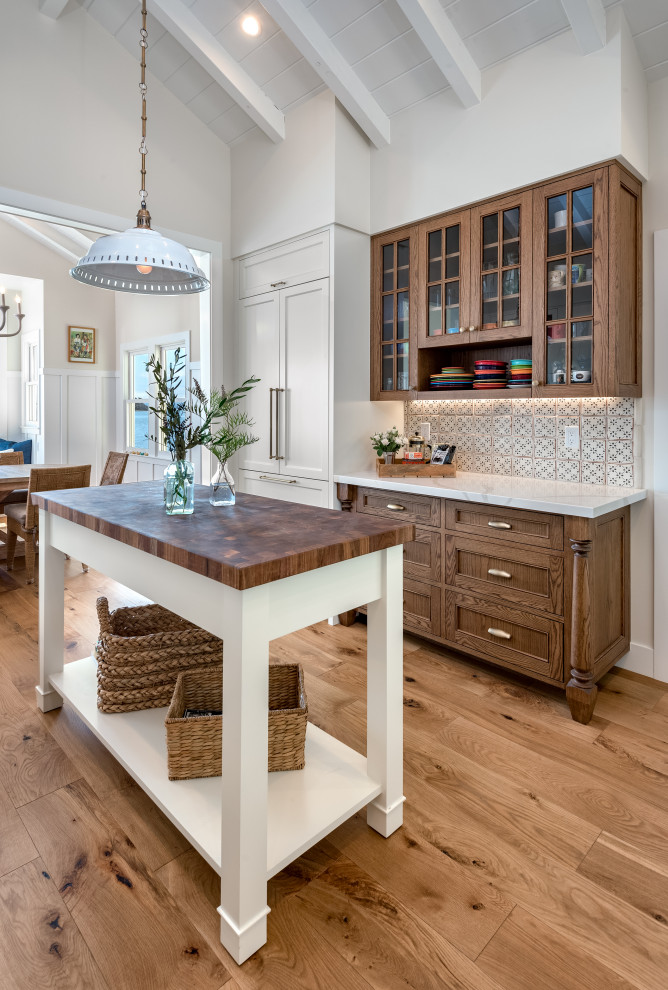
[140,424]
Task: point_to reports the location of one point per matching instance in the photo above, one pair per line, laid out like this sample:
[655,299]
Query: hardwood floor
[534,854]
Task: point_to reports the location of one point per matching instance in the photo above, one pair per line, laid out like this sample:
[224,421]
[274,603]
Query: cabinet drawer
[539,529]
[422,556]
[518,575]
[520,639]
[422,607]
[420,509]
[287,489]
[291,263]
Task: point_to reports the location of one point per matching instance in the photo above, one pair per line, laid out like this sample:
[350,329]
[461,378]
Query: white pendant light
[140,259]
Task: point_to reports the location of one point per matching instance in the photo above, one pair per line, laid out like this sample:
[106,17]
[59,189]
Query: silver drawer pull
[281,481]
[495,573]
[499,633]
[395,508]
[499,525]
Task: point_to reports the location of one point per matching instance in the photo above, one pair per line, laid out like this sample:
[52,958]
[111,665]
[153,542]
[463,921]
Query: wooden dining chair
[11,495]
[23,520]
[11,457]
[114,469]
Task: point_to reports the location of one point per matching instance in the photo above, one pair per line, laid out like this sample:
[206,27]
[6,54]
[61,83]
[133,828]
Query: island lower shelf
[303,805]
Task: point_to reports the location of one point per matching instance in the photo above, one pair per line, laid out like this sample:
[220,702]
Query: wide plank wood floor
[534,854]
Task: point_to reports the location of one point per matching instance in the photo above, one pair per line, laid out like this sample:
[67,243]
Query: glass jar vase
[180,488]
[221,489]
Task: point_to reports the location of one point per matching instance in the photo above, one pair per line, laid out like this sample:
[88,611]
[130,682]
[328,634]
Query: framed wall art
[81,345]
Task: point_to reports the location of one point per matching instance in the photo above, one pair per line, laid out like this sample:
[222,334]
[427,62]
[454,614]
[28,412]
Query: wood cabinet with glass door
[587,277]
[393,314]
[444,280]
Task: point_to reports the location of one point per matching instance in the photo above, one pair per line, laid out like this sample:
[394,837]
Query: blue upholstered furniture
[25,446]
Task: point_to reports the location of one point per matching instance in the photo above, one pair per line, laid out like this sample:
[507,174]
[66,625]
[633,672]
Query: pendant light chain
[143,217]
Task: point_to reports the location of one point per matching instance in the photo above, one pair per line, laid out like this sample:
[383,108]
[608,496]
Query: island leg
[243,888]
[51,615]
[385,756]
[581,690]
[346,496]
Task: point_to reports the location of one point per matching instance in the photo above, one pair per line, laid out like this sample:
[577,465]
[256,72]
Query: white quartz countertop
[563,497]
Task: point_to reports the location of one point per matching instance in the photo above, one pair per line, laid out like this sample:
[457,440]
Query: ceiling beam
[320,51]
[53,8]
[74,234]
[441,39]
[587,19]
[210,54]
[15,221]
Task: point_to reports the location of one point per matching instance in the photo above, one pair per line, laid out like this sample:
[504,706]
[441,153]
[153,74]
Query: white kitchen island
[248,574]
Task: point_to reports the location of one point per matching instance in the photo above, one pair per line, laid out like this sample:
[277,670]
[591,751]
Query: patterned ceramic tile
[465,424]
[522,425]
[522,407]
[565,453]
[544,407]
[483,424]
[593,426]
[568,470]
[620,452]
[545,426]
[502,465]
[503,445]
[620,428]
[483,463]
[465,462]
[502,407]
[482,407]
[483,445]
[593,474]
[465,407]
[593,407]
[502,426]
[568,407]
[620,407]
[620,474]
[544,469]
[544,447]
[593,450]
[523,467]
[523,447]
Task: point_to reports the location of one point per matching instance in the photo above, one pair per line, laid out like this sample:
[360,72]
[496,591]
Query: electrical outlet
[572,441]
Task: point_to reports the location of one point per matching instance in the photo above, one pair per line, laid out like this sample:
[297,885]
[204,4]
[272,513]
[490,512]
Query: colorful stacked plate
[451,379]
[520,373]
[489,374]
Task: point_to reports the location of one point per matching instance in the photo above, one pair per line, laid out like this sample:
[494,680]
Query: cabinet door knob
[536,384]
[496,573]
[499,525]
[499,633]
[393,507]
[471,329]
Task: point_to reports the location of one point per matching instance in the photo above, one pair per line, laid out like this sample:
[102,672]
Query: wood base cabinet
[538,593]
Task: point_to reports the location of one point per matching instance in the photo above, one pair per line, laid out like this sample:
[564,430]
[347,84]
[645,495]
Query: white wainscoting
[10,406]
[79,417]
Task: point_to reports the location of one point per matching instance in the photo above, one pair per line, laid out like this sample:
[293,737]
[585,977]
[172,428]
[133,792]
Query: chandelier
[3,319]
[140,259]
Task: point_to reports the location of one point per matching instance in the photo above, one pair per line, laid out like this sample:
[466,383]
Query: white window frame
[156,346]
[30,384]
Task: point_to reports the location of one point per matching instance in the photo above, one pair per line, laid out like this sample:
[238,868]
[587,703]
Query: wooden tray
[401,470]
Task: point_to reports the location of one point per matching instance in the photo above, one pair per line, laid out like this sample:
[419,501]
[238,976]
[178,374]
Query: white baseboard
[639,659]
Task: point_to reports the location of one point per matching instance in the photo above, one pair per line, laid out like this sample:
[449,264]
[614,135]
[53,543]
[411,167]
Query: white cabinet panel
[282,487]
[304,401]
[258,336]
[284,265]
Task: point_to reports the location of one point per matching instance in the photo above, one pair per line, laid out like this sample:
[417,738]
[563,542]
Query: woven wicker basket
[141,652]
[194,744]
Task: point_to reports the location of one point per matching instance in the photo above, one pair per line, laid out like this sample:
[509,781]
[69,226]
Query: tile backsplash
[526,437]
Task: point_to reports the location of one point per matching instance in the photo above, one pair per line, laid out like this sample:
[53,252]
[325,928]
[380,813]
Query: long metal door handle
[395,508]
[271,425]
[496,573]
[499,633]
[278,456]
[499,525]
[281,481]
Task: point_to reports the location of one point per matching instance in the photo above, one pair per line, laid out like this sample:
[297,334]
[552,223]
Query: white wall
[544,112]
[140,318]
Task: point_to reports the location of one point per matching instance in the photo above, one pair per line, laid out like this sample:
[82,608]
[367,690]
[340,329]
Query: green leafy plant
[231,424]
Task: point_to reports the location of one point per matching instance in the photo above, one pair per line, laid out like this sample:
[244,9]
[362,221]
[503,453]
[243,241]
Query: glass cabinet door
[501,266]
[569,285]
[395,315]
[443,280]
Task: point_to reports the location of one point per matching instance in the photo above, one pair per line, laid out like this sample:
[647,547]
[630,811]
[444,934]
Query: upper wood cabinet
[552,272]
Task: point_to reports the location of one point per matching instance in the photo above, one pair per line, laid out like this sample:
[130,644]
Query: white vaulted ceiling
[373,37]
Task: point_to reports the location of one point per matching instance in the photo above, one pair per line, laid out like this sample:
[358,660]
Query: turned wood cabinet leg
[347,618]
[581,690]
[346,496]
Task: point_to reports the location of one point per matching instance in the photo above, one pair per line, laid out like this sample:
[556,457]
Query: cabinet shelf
[472,393]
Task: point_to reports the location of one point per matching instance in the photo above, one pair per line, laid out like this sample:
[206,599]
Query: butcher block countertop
[562,497]
[256,541]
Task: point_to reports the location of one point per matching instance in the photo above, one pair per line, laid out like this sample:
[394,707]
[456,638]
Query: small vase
[180,488]
[222,486]
[389,457]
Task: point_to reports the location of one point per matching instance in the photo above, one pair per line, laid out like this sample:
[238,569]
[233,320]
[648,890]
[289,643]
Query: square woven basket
[194,745]
[141,651]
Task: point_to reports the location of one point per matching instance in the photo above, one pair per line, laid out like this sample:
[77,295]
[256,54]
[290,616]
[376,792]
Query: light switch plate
[572,440]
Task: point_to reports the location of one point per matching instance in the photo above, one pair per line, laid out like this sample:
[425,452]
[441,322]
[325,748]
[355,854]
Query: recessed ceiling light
[251,25]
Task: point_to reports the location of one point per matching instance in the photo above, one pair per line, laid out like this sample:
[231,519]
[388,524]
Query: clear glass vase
[180,488]
[222,486]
